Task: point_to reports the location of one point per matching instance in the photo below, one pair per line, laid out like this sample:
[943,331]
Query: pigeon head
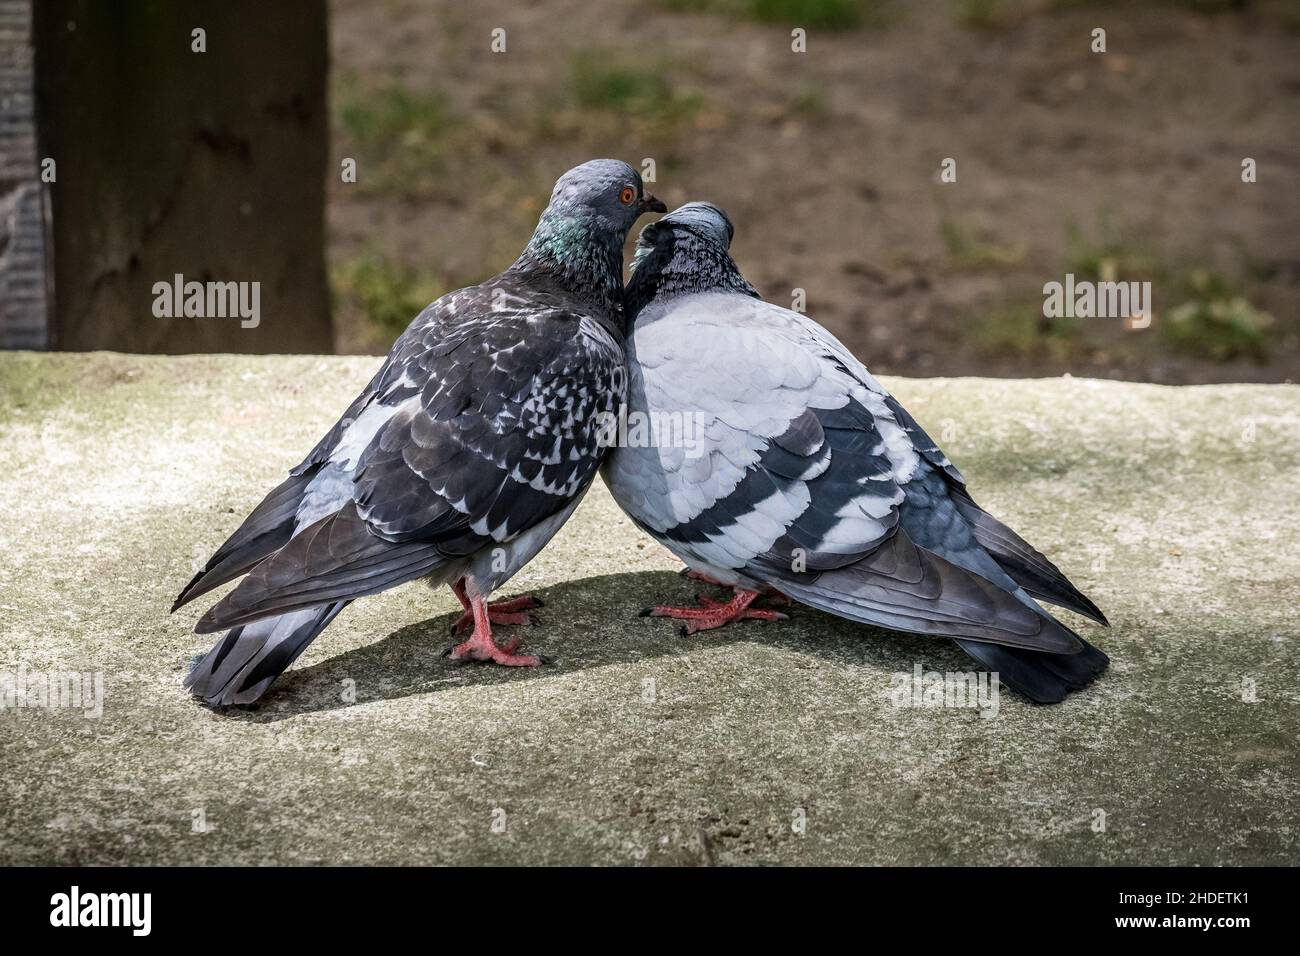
[606,193]
[685,252]
[580,235]
[702,218]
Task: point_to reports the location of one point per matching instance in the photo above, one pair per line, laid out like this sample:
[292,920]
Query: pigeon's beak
[650,204]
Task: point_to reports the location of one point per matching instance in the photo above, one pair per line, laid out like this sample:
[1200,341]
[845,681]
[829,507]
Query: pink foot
[480,646]
[483,648]
[711,613]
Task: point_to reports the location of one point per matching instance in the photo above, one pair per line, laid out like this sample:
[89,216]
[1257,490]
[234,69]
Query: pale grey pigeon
[467,451]
[792,470]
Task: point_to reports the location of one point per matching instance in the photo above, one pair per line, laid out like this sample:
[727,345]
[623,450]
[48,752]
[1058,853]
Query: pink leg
[701,576]
[481,647]
[513,611]
[711,613]
[768,591]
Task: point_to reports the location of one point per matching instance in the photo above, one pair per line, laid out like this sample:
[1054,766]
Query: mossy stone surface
[1176,509]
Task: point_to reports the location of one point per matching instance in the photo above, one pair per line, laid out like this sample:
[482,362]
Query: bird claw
[525,602]
[710,613]
[485,650]
[695,625]
[481,615]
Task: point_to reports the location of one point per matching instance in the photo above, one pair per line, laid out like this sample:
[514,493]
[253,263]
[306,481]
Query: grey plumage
[459,460]
[814,480]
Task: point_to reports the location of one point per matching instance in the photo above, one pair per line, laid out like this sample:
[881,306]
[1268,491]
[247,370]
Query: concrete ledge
[1176,509]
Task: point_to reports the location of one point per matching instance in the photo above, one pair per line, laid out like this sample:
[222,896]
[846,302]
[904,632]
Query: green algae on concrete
[1175,509]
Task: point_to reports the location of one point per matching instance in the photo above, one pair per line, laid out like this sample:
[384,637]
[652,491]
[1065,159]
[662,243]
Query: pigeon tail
[335,559]
[244,663]
[1043,678]
[266,530]
[1024,563]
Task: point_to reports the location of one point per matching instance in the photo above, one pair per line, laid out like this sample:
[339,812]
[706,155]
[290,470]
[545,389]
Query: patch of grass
[1217,322]
[1107,256]
[1212,6]
[818,14]
[1214,320]
[972,251]
[983,14]
[613,95]
[600,82]
[829,14]
[386,293]
[597,84]
[1211,317]
[1022,330]
[400,135]
[1196,6]
[809,100]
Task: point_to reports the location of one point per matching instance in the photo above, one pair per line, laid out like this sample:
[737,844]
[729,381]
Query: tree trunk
[209,165]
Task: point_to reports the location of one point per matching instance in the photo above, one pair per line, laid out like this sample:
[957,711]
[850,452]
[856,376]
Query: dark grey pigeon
[466,452]
[794,471]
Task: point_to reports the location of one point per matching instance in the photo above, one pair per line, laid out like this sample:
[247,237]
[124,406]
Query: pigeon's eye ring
[627,195]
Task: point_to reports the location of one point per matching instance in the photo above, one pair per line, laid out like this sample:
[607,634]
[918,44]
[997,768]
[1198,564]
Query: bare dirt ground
[1123,163]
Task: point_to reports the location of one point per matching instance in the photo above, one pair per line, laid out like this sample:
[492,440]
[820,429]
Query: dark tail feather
[1042,677]
[266,530]
[244,663]
[1027,566]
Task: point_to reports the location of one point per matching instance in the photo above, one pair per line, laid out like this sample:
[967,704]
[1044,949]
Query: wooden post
[190,139]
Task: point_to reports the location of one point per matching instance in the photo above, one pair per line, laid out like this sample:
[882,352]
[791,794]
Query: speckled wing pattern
[484,421]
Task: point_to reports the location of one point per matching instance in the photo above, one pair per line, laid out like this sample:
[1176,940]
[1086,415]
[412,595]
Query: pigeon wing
[806,475]
[505,431]
[492,426]
[772,426]
[273,522]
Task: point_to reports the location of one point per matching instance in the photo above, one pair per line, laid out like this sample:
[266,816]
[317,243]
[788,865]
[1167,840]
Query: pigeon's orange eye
[627,195]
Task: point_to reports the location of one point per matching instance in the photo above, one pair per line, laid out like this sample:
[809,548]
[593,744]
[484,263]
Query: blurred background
[226,164]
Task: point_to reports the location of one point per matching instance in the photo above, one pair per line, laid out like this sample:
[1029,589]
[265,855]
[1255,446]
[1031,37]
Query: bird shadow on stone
[592,622]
